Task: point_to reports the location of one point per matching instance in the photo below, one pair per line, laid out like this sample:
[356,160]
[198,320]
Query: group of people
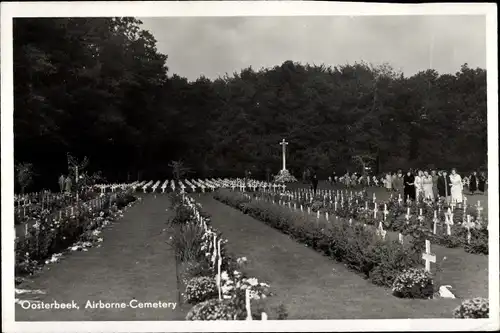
[433,185]
[65,183]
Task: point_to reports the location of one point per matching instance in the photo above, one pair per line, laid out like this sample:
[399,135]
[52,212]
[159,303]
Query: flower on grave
[473,308]
[413,283]
[215,309]
[199,289]
[241,260]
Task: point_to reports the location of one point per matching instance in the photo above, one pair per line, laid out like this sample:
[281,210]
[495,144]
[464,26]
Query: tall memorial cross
[284,144]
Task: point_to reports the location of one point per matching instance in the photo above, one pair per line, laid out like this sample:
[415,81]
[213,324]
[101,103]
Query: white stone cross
[219,264]
[428,256]
[386,212]
[448,220]
[479,209]
[401,238]
[469,224]
[380,231]
[284,144]
[247,304]
[375,210]
[435,220]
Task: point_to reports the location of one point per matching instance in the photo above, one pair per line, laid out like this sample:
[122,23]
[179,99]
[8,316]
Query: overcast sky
[213,46]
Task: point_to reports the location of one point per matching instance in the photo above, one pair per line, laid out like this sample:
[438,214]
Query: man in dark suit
[314,182]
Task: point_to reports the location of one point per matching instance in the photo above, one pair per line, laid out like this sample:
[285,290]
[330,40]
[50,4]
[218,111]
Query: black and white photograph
[172,164]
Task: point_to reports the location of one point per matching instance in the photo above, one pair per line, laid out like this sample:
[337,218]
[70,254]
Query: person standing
[314,181]
[456,187]
[434,184]
[444,186]
[419,185]
[398,183]
[409,186]
[62,180]
[68,184]
[388,182]
[481,184]
[394,181]
[473,183]
[427,186]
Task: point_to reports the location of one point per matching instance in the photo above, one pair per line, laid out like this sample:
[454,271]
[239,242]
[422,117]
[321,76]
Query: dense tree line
[99,88]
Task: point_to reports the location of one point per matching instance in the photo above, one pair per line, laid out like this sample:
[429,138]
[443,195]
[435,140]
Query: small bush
[473,308]
[200,289]
[186,240]
[214,309]
[479,241]
[413,283]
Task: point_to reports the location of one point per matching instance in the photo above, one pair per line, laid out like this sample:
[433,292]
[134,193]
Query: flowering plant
[200,289]
[473,308]
[413,283]
[232,286]
[214,309]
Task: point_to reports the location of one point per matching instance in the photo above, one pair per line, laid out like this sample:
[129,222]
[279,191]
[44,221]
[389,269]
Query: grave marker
[427,256]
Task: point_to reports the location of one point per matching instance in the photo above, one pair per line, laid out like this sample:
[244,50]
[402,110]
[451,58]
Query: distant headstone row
[193,185]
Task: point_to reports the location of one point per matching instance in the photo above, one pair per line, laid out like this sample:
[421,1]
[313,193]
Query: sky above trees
[212,46]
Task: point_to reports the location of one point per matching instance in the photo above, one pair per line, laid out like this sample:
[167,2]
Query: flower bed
[198,248]
[360,208]
[383,262]
[50,236]
[360,248]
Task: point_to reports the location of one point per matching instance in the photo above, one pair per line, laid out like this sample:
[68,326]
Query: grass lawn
[133,262]
[313,286]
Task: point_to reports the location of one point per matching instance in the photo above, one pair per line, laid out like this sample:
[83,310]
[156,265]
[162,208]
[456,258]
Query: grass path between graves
[310,285]
[133,262]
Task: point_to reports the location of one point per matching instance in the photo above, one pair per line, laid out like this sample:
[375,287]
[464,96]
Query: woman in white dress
[427,186]
[388,182]
[419,185]
[456,187]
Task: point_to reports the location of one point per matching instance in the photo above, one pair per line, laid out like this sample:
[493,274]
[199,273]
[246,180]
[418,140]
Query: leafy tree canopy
[98,87]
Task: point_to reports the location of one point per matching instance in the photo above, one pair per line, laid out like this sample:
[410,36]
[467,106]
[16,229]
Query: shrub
[389,259]
[200,289]
[214,309]
[186,240]
[196,269]
[479,241]
[473,308]
[413,283]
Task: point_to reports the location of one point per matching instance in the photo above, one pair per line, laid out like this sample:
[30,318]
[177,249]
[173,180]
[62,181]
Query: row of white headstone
[194,185]
[427,256]
[216,257]
[327,196]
